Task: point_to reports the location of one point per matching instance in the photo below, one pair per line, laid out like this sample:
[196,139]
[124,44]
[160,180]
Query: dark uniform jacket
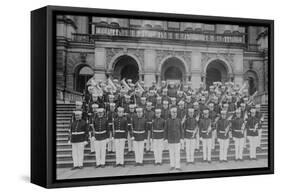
[101,130]
[181,113]
[236,125]
[221,127]
[251,123]
[158,106]
[190,125]
[110,117]
[130,117]
[149,116]
[79,131]
[259,116]
[203,125]
[120,128]
[172,92]
[188,105]
[165,113]
[173,132]
[139,128]
[158,128]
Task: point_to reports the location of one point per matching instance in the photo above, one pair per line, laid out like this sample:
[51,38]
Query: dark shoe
[209,161]
[74,168]
[80,167]
[103,166]
[172,168]
[97,166]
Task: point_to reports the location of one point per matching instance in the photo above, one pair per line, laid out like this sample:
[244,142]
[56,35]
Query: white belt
[100,132]
[129,124]
[252,129]
[120,131]
[78,133]
[138,132]
[110,123]
[237,130]
[204,131]
[188,130]
[149,122]
[158,131]
[222,131]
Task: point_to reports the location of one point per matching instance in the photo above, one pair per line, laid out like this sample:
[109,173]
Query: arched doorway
[216,71]
[173,69]
[252,78]
[82,75]
[126,67]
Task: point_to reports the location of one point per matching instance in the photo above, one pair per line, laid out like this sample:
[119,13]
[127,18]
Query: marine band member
[158,133]
[101,135]
[139,134]
[78,136]
[120,131]
[205,128]
[190,131]
[174,135]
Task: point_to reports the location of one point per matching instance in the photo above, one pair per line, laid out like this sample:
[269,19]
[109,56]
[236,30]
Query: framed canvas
[126,96]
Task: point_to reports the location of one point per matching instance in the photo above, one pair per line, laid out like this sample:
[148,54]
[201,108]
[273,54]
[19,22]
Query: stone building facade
[159,50]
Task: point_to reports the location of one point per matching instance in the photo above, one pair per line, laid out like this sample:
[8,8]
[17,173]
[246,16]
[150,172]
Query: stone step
[166,160]
[88,156]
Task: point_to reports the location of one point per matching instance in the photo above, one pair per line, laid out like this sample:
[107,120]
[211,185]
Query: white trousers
[148,142]
[214,137]
[92,144]
[174,153]
[207,148]
[259,137]
[130,143]
[158,149]
[190,147]
[253,141]
[78,154]
[111,145]
[245,139]
[182,144]
[119,150]
[224,143]
[239,146]
[197,142]
[100,147]
[138,148]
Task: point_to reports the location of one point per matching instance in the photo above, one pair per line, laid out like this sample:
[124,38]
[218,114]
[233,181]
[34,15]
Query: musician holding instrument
[252,127]
[139,135]
[190,131]
[157,135]
[120,131]
[78,137]
[101,134]
[238,130]
[223,127]
[205,129]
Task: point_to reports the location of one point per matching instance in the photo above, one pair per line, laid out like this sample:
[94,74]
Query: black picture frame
[43,97]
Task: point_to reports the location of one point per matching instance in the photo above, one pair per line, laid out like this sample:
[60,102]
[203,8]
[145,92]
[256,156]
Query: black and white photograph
[138,96]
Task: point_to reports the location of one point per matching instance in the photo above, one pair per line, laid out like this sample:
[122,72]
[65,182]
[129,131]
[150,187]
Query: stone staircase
[64,158]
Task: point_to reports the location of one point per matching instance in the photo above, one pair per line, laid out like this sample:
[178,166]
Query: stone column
[100,64]
[149,66]
[238,79]
[196,69]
